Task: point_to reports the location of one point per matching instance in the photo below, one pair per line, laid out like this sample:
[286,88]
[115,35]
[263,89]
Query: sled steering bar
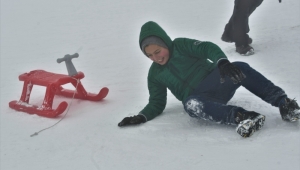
[68,60]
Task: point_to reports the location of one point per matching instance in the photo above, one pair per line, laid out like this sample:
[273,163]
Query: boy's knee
[194,107]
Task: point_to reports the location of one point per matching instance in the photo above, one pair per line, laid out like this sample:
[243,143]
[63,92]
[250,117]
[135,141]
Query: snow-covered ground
[35,33]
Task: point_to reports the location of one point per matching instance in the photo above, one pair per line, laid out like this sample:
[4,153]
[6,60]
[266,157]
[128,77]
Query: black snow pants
[238,27]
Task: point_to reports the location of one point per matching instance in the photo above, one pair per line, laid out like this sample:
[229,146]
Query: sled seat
[44,78]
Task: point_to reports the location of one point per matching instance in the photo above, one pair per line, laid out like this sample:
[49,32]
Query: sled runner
[53,83]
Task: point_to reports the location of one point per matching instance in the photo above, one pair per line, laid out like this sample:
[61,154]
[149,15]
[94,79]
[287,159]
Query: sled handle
[68,60]
[67,57]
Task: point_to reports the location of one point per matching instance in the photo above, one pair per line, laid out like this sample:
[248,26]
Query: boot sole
[250,52]
[292,118]
[247,127]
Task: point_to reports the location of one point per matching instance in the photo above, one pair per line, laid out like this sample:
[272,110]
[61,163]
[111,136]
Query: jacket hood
[151,28]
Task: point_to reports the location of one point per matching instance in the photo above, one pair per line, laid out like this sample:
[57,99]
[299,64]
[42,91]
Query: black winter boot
[245,50]
[249,122]
[250,40]
[290,110]
[226,38]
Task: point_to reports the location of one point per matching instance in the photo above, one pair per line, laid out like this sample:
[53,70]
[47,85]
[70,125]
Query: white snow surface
[105,33]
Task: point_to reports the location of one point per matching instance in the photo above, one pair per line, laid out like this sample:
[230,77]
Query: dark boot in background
[245,50]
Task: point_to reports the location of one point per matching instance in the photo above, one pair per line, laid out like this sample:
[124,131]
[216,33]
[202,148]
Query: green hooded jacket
[189,63]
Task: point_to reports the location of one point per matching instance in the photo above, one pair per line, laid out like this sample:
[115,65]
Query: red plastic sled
[53,83]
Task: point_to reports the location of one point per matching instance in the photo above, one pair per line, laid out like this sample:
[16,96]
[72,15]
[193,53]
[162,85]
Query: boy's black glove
[133,120]
[233,72]
[279,1]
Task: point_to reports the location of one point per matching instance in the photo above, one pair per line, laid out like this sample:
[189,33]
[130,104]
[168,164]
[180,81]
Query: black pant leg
[240,22]
[238,25]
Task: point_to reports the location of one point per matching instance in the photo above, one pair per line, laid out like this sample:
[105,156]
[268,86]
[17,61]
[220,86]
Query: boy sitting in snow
[200,75]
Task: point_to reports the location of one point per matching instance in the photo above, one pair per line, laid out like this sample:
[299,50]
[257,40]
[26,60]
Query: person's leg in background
[237,29]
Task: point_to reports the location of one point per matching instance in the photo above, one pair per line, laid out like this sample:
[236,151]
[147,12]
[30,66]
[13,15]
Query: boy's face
[158,54]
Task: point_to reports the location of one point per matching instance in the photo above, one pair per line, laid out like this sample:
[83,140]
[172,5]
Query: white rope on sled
[36,133]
